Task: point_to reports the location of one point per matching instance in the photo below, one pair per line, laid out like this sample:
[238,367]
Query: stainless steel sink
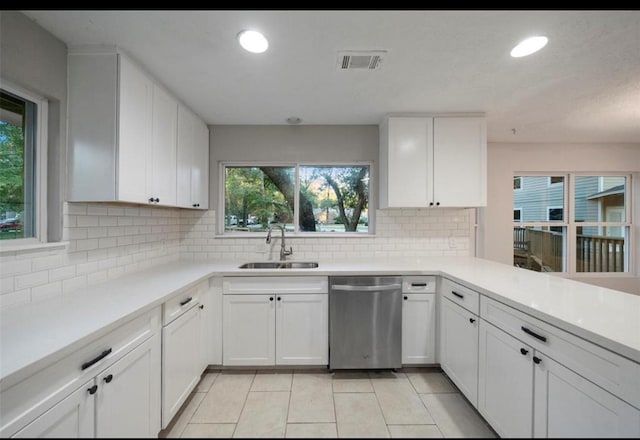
[279,265]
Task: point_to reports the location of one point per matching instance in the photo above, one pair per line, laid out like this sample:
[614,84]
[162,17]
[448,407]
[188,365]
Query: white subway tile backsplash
[109,240]
[31,279]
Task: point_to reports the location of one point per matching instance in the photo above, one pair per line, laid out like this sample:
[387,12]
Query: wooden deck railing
[543,251]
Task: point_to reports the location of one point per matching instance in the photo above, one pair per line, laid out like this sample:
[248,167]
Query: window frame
[520,211]
[521,182]
[39,169]
[570,225]
[220,217]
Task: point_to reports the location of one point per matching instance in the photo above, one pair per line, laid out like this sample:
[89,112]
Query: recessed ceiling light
[529,46]
[253,41]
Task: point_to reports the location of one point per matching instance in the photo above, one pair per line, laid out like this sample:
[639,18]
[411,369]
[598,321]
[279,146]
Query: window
[23,166]
[304,198]
[517,183]
[517,214]
[592,236]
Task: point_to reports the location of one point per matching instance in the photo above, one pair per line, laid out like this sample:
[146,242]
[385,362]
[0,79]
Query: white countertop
[47,330]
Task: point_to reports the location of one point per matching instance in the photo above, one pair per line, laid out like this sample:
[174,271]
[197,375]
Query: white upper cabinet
[193,160]
[123,133]
[163,151]
[433,161]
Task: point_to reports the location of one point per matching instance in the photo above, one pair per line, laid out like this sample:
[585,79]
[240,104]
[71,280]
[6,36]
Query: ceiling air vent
[360,60]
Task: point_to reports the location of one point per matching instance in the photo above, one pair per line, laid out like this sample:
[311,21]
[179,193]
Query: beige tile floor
[412,402]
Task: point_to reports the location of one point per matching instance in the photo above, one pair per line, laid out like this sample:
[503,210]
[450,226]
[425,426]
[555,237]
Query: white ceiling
[584,86]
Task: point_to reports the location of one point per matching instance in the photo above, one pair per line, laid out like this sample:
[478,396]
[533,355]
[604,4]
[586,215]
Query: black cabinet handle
[157,200]
[437,203]
[457,294]
[151,200]
[406,298]
[201,306]
[92,390]
[418,284]
[430,203]
[98,358]
[523,351]
[271,298]
[109,378]
[537,360]
[535,335]
[198,205]
[471,320]
[186,301]
[279,298]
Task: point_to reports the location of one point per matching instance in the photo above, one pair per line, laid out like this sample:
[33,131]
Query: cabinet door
[164,141]
[200,168]
[134,133]
[418,328]
[128,397]
[505,382]
[73,417]
[302,329]
[459,348]
[185,156]
[410,162]
[568,405]
[181,361]
[460,161]
[249,330]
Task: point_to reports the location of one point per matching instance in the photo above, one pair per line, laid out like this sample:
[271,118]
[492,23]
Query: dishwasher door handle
[350,288]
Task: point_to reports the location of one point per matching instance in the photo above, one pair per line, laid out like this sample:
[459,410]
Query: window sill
[18,248]
[288,235]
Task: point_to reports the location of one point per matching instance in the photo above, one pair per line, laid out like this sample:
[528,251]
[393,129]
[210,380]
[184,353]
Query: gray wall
[285,143]
[32,58]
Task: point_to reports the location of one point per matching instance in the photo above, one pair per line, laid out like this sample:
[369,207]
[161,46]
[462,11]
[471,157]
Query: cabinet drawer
[419,284]
[28,399]
[459,294]
[258,285]
[182,302]
[614,373]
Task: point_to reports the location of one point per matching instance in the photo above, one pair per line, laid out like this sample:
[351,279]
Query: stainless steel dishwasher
[365,322]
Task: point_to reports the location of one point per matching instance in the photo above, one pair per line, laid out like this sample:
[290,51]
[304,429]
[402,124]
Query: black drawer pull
[471,320]
[529,332]
[201,306]
[537,360]
[109,378]
[406,297]
[418,284]
[457,294]
[186,301]
[523,351]
[92,390]
[98,358]
[271,298]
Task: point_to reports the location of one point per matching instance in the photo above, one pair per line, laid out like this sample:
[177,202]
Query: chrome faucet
[283,251]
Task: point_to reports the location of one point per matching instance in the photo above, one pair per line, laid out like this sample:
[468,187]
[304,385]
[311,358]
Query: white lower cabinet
[459,347]
[275,320]
[505,391]
[73,417]
[568,405]
[128,396]
[181,361]
[275,329]
[418,328]
[302,329]
[121,398]
[522,392]
[249,334]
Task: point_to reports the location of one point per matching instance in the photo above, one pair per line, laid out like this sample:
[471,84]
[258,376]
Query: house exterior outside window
[572,223]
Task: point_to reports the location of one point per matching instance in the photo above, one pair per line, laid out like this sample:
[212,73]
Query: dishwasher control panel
[419,284]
